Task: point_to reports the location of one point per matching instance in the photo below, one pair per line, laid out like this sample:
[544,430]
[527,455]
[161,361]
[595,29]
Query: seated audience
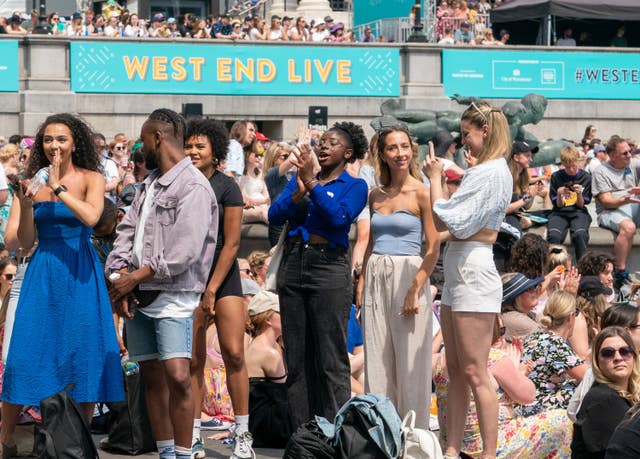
[614,362]
[557,370]
[547,434]
[519,298]
[268,406]
[570,193]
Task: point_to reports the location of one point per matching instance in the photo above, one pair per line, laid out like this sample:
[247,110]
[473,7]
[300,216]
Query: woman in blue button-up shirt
[314,279]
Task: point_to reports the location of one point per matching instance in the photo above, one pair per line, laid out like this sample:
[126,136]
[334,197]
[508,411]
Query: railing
[399,29]
[389,29]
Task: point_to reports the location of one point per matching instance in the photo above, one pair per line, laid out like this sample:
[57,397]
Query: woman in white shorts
[472,290]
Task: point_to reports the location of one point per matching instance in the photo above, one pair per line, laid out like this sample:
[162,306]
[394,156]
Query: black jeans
[578,221]
[314,287]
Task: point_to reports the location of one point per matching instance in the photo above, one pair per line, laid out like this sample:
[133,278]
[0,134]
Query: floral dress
[543,436]
[552,357]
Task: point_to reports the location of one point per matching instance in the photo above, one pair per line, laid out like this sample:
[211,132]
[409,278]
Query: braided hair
[177,122]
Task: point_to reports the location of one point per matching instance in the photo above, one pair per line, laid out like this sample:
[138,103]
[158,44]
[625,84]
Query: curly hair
[594,263]
[83,155]
[529,256]
[355,137]
[215,131]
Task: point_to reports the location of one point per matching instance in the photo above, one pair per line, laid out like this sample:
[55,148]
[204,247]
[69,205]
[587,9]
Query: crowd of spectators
[551,340]
[236,24]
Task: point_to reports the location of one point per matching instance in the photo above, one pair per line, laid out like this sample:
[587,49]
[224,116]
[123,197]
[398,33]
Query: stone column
[311,9]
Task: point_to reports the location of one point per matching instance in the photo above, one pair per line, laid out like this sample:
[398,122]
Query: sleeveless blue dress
[63,331]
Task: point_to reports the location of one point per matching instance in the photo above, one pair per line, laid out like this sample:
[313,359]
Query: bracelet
[310,181]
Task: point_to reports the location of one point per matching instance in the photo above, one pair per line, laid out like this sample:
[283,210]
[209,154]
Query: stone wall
[45,89]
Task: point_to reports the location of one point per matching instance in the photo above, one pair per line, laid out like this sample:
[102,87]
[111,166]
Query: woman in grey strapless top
[393,289]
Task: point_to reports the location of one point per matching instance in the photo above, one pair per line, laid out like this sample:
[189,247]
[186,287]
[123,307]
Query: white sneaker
[242,446]
[197,450]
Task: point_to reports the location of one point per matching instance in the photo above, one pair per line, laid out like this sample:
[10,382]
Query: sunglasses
[503,330]
[576,312]
[484,117]
[247,271]
[609,352]
[9,276]
[119,148]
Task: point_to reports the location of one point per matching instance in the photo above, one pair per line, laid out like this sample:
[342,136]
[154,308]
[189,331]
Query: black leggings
[578,221]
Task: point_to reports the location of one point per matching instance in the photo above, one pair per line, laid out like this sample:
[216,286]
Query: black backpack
[308,442]
[64,433]
[129,425]
[353,438]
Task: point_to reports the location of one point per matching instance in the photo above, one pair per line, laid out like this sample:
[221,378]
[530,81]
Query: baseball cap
[76,15]
[264,301]
[452,175]
[275,16]
[442,141]
[599,148]
[522,146]
[328,19]
[250,287]
[591,286]
[287,18]
[171,21]
[260,136]
[318,21]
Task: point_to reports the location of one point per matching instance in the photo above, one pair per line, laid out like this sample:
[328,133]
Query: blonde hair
[592,310]
[633,388]
[255,324]
[560,305]
[569,155]
[8,152]
[521,178]
[498,141]
[257,259]
[558,256]
[382,171]
[271,155]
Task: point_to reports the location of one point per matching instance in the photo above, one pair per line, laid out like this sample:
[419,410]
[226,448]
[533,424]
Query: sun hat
[517,285]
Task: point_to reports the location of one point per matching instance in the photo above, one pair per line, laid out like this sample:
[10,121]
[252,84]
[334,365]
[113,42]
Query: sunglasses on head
[609,352]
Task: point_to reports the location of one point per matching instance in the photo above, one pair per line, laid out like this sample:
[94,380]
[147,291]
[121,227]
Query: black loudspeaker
[189,110]
[318,117]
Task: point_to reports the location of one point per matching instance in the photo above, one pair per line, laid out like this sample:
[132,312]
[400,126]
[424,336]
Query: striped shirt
[480,202]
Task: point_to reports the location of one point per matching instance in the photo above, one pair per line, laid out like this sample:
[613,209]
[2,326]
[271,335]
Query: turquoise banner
[149,68]
[9,74]
[365,11]
[555,75]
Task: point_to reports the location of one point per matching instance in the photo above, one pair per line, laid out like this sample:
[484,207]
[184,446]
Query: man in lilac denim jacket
[165,247]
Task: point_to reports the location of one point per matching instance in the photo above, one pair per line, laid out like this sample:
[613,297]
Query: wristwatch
[60,189]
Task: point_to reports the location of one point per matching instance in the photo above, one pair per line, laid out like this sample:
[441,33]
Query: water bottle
[38,182]
[129,367]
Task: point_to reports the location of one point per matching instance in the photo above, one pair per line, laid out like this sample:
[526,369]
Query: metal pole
[417,36]
[548,30]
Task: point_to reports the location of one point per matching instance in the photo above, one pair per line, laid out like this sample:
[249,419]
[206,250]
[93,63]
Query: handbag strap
[409,420]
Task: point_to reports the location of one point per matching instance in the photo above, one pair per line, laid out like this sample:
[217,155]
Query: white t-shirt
[167,304]
[235,158]
[320,36]
[109,172]
[3,179]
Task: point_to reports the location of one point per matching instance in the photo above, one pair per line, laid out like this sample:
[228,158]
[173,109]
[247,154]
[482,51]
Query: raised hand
[432,166]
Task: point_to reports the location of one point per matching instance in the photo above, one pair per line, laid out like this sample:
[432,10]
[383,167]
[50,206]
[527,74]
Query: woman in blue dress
[63,332]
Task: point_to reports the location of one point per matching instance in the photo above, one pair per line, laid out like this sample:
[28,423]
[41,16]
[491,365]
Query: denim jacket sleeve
[120,256]
[284,208]
[192,224]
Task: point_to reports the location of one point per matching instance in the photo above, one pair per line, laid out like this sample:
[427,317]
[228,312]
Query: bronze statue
[424,124]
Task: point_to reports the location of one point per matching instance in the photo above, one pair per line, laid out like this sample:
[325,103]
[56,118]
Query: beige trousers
[397,350]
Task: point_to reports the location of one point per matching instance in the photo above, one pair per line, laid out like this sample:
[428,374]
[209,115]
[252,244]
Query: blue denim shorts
[159,339]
